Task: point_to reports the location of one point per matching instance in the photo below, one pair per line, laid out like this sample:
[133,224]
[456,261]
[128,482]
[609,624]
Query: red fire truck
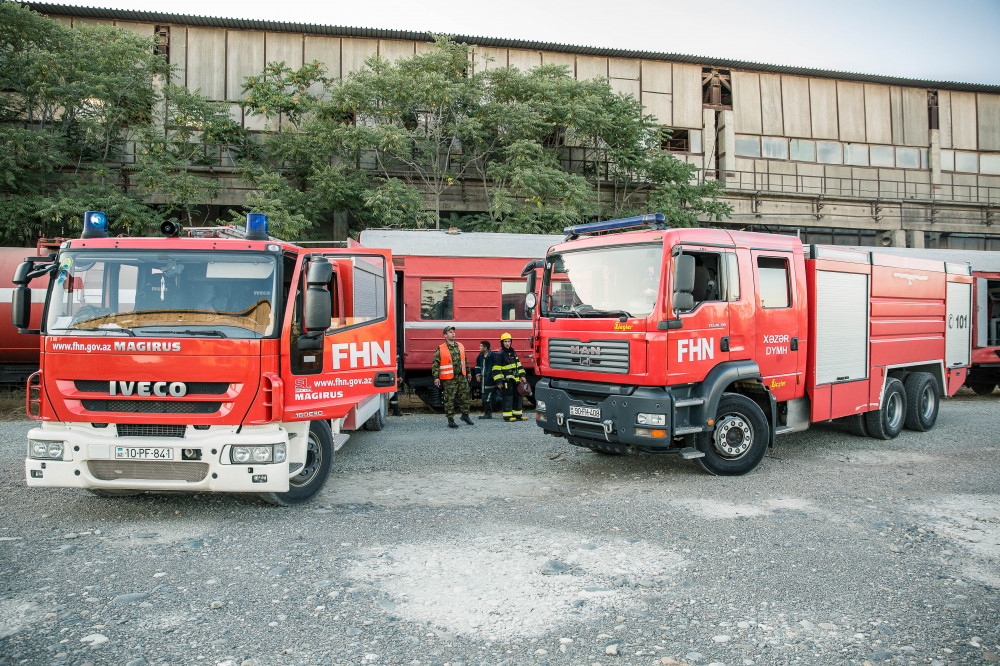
[472,281]
[224,364]
[708,343]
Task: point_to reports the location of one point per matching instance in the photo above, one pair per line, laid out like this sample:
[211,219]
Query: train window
[512,301]
[436,299]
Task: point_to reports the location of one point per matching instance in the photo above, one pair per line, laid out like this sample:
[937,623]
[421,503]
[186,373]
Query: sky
[940,40]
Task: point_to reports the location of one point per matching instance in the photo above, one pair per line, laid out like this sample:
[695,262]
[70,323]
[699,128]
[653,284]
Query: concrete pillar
[934,162]
[727,145]
[708,138]
[893,238]
[915,239]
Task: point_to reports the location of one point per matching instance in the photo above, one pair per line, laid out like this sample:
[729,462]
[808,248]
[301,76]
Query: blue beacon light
[95,225]
[256,226]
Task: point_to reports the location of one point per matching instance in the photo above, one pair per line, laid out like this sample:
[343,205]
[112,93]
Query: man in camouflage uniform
[449,369]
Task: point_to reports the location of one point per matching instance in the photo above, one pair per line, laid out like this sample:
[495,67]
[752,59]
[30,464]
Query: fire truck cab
[708,343]
[225,362]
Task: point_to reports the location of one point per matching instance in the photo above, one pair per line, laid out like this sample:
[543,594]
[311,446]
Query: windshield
[153,293]
[603,282]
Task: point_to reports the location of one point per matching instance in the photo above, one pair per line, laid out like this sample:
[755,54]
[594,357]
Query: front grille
[149,430]
[193,388]
[610,356]
[151,406]
[148,470]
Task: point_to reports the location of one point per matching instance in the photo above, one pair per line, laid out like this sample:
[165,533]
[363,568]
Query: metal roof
[979,260]
[378,33]
[444,243]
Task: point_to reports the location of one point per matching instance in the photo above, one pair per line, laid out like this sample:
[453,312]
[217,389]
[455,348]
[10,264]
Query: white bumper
[198,461]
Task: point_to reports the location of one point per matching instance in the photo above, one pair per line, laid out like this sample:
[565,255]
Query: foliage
[86,126]
[542,149]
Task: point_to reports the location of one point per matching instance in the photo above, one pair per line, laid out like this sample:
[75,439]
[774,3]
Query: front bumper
[569,412]
[199,461]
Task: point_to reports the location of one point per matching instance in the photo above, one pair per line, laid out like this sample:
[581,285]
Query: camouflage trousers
[452,388]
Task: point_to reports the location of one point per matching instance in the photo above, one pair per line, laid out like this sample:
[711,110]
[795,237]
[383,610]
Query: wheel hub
[733,437]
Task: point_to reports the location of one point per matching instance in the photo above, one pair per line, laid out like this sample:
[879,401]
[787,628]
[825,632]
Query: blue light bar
[256,226]
[613,225]
[95,225]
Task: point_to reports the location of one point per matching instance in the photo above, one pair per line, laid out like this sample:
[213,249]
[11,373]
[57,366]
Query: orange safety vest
[446,370]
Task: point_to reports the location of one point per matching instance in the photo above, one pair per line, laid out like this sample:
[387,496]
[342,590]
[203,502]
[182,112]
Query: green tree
[85,126]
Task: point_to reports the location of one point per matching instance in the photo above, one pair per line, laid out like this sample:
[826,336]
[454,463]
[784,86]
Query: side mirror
[20,308]
[316,301]
[683,302]
[684,273]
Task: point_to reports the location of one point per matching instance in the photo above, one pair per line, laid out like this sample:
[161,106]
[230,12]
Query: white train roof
[979,260]
[448,243]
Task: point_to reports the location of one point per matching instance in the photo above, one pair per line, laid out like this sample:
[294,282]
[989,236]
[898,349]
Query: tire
[857,425]
[739,440]
[377,420]
[981,387]
[923,398]
[105,492]
[310,480]
[887,421]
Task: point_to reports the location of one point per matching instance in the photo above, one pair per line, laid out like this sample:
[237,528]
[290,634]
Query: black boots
[465,418]
[487,415]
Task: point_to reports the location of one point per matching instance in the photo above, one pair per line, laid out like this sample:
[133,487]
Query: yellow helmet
[505,336]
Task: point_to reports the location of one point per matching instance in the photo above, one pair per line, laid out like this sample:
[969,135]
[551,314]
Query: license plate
[589,412]
[143,453]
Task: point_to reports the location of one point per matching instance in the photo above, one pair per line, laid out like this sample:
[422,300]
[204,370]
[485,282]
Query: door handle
[724,344]
[794,344]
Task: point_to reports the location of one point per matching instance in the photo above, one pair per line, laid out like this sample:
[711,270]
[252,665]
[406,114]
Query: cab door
[778,320]
[325,373]
[702,342]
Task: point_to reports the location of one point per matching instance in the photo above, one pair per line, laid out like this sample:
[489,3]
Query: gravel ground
[499,545]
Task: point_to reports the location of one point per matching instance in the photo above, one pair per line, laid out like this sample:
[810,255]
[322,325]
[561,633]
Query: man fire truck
[227,362]
[708,343]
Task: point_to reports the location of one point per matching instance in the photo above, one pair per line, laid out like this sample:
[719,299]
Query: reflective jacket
[443,367]
[508,366]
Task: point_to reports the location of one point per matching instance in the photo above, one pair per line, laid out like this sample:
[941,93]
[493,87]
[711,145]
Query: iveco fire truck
[229,361]
[709,343]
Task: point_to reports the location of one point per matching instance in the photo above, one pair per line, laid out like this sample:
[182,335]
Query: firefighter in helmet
[508,373]
[452,374]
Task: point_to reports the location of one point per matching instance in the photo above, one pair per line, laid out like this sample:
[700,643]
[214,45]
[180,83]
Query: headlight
[266,453]
[651,419]
[262,454]
[539,405]
[45,449]
[241,454]
[279,453]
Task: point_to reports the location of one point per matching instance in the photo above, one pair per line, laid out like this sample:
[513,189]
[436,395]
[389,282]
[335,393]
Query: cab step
[690,453]
[689,402]
[339,440]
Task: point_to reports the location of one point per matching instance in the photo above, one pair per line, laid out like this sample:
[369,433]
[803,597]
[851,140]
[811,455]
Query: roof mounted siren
[257,227]
[95,224]
[650,220]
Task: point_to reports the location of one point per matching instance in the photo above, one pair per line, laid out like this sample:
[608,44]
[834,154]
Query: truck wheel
[310,479]
[887,422]
[105,492]
[857,425]
[981,388]
[377,420]
[922,399]
[739,440]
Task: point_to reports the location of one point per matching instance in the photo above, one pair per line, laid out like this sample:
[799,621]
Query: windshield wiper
[188,331]
[114,331]
[610,313]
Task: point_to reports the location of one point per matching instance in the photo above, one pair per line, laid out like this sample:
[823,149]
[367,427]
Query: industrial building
[832,156]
